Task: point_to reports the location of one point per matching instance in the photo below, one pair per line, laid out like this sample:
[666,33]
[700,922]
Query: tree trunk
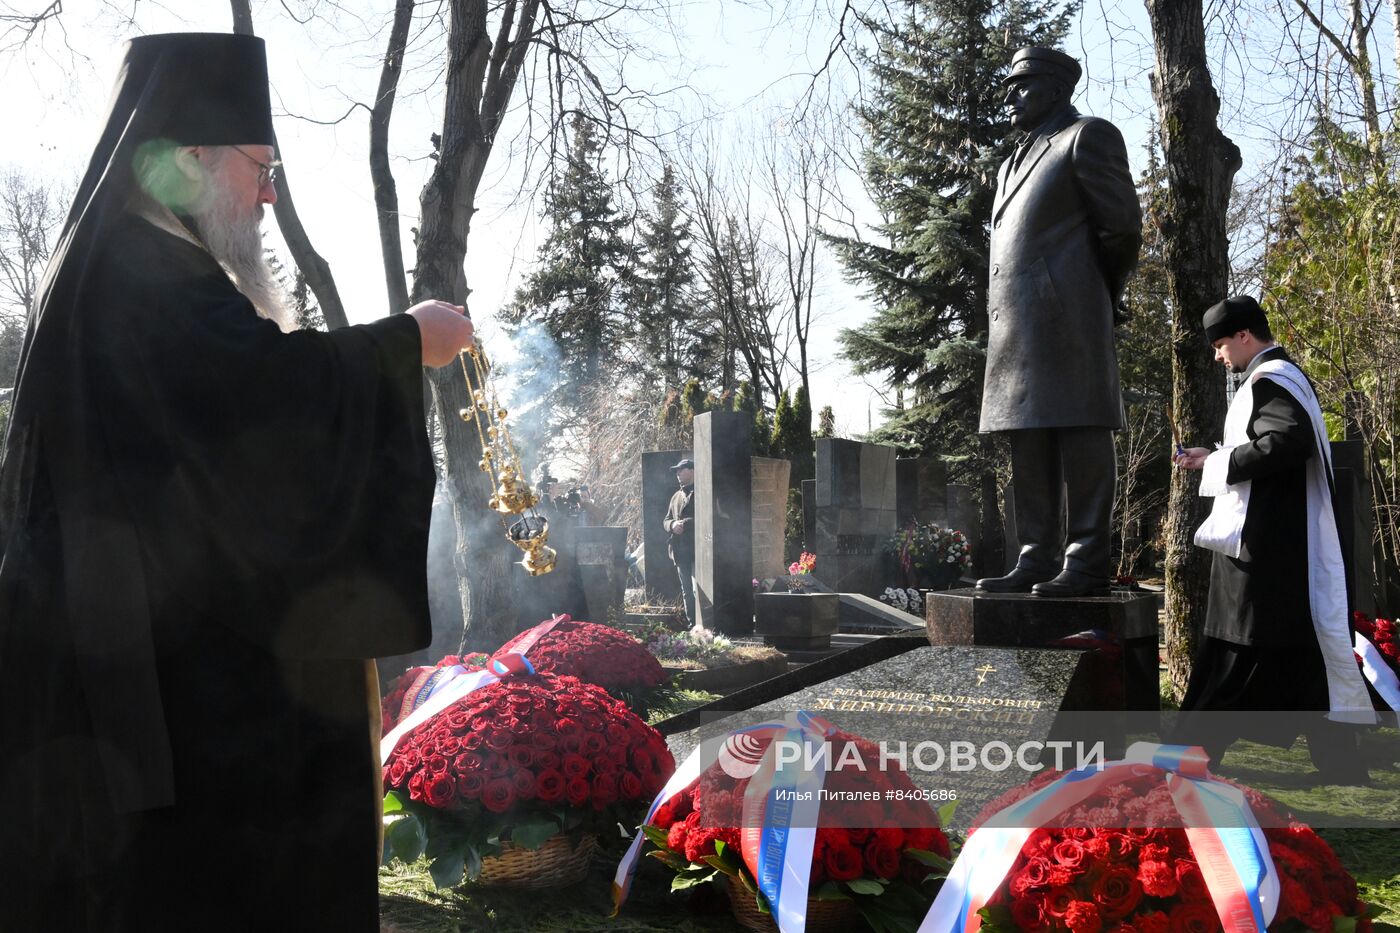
[1201,164]
[316,269]
[483,554]
[386,196]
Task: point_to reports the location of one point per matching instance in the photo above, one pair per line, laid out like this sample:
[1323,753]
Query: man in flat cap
[1277,634]
[1066,228]
[679,523]
[208,525]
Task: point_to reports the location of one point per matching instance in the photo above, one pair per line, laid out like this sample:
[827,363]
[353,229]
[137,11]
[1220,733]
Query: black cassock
[256,502]
[1260,651]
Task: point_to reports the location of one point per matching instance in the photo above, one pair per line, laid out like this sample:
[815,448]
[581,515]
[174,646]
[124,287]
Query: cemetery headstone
[723,521]
[921,491]
[855,513]
[809,515]
[658,484]
[901,692]
[1355,521]
[769,503]
[602,564]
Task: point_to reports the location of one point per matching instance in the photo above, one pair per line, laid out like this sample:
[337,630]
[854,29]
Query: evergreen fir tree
[666,334]
[784,428]
[803,453]
[936,134]
[308,313]
[575,294]
[694,399]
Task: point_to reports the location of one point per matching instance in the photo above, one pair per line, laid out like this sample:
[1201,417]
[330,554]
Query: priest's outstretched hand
[445,330]
[1192,458]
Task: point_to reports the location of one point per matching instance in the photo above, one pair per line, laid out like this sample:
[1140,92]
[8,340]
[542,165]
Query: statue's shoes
[1069,583]
[1019,580]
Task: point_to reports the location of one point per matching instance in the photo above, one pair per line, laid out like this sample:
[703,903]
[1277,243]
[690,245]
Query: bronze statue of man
[1066,228]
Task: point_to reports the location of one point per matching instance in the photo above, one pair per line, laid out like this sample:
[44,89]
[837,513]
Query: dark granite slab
[723,521]
[1119,629]
[796,620]
[658,485]
[902,693]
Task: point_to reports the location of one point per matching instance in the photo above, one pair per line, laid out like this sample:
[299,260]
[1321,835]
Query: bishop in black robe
[208,525]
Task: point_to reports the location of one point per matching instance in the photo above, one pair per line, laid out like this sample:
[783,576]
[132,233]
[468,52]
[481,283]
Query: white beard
[235,242]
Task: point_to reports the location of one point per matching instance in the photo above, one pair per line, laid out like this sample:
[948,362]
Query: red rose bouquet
[879,852]
[597,654]
[1377,649]
[407,690]
[518,761]
[1085,877]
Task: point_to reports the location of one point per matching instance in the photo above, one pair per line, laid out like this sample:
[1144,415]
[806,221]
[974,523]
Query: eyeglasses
[267,171]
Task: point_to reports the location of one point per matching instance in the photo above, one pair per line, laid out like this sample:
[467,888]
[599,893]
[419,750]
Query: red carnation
[1158,878]
[498,795]
[1083,917]
[1194,917]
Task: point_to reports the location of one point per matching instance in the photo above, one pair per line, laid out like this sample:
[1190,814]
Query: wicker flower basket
[552,865]
[822,916]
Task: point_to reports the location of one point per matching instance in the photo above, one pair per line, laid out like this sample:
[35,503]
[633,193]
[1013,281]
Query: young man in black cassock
[207,526]
[1277,634]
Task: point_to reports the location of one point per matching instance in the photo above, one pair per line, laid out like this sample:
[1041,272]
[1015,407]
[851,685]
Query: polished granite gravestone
[855,513]
[899,689]
[723,521]
[1354,522]
[602,564]
[809,514]
[1119,632]
[797,621]
[920,491]
[658,485]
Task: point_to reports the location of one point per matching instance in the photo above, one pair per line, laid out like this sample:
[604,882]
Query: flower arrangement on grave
[804,564]
[597,654]
[1151,844]
[905,599]
[924,551]
[701,649]
[878,859]
[513,779]
[407,691]
[1377,648]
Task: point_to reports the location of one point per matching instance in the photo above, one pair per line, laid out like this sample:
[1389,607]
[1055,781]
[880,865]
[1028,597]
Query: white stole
[1327,595]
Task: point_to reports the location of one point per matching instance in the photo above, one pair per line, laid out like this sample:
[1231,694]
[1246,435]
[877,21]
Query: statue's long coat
[1066,227]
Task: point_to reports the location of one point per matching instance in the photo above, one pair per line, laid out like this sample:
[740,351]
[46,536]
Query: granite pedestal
[1119,631]
[802,621]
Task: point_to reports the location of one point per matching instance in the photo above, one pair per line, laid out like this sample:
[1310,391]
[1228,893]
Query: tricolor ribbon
[1375,670]
[455,681]
[1225,838]
[448,690]
[780,809]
